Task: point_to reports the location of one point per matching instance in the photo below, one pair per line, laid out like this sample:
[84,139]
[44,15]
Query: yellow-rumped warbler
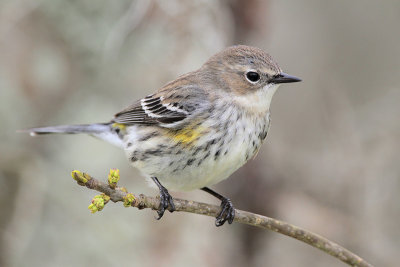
[198,129]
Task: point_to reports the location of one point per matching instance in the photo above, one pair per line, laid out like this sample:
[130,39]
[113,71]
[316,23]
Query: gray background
[330,163]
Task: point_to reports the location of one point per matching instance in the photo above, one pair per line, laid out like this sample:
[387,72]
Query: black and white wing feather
[154,110]
[172,106]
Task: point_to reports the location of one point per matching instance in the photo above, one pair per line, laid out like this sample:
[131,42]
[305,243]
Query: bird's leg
[227,210]
[165,199]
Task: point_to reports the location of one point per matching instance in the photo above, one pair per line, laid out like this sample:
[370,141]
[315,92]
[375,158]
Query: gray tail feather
[96,128]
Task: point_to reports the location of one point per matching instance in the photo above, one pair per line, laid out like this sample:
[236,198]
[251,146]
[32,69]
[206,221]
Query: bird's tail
[70,129]
[103,131]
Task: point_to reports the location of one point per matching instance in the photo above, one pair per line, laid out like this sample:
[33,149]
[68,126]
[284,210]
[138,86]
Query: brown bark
[120,194]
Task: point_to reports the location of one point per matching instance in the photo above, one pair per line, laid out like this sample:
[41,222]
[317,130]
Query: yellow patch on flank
[121,126]
[187,135]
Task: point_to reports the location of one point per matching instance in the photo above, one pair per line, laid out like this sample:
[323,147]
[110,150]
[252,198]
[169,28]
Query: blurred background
[330,163]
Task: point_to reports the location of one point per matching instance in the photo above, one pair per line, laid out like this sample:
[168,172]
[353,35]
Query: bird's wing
[170,107]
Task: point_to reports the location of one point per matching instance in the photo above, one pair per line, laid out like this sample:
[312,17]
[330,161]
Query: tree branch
[120,194]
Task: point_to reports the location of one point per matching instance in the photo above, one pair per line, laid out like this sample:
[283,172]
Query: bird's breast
[201,154]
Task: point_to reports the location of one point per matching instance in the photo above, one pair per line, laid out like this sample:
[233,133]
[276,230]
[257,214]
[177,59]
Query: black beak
[284,78]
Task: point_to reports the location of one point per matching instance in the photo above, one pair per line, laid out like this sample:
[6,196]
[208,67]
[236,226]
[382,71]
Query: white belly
[213,158]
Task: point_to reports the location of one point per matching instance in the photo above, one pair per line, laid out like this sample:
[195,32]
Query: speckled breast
[200,154]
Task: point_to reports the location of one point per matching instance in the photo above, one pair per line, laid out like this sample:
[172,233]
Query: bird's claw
[165,201]
[227,213]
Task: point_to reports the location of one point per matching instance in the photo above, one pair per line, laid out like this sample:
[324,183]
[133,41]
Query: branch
[120,194]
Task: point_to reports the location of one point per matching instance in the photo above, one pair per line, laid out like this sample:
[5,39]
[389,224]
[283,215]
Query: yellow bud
[128,200]
[113,178]
[98,203]
[80,177]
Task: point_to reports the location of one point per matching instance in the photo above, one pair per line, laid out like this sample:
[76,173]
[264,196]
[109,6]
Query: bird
[197,130]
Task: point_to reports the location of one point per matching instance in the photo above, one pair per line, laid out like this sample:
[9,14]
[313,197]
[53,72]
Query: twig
[119,194]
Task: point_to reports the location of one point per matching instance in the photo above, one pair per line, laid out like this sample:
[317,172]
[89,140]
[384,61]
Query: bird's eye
[252,76]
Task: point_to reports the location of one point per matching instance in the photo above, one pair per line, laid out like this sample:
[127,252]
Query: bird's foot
[165,199]
[227,212]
